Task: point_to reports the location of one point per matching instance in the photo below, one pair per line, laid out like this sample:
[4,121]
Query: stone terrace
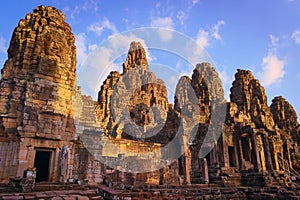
[155,192]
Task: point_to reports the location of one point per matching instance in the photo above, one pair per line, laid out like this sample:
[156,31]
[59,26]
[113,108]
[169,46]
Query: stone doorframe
[51,160]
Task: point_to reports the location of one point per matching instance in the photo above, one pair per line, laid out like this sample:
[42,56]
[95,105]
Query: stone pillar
[215,160]
[187,167]
[255,151]
[23,163]
[269,164]
[223,155]
[161,176]
[240,153]
[287,152]
[205,171]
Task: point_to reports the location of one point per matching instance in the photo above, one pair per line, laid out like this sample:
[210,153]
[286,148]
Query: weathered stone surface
[284,114]
[104,99]
[285,119]
[134,102]
[251,99]
[203,95]
[37,85]
[136,58]
[85,109]
[254,137]
[39,76]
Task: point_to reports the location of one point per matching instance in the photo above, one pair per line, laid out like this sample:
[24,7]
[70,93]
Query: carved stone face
[55,44]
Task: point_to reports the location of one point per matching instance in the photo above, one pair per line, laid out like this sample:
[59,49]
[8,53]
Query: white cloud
[197,48]
[81,48]
[203,36]
[194,2]
[202,39]
[2,45]
[296,36]
[99,27]
[215,30]
[272,70]
[272,66]
[163,22]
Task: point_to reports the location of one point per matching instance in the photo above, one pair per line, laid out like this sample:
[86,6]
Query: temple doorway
[42,165]
[232,158]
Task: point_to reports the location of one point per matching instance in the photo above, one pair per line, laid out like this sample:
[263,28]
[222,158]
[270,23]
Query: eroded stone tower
[36,91]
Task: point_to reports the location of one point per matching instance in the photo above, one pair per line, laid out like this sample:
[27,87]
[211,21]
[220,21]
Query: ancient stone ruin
[49,127]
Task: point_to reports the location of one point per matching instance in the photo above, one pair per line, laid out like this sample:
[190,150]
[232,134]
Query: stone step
[46,186]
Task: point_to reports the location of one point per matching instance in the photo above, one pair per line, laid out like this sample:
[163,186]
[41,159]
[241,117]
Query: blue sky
[263,36]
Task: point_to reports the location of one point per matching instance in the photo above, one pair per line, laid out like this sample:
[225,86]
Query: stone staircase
[196,178]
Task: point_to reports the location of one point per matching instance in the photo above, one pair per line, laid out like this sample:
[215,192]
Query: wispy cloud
[91,5]
[98,28]
[203,41]
[272,66]
[274,44]
[181,16]
[194,2]
[296,36]
[85,6]
[88,5]
[163,22]
[215,30]
[203,36]
[2,45]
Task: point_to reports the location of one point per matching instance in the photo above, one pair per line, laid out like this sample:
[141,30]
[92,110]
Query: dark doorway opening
[246,148]
[180,166]
[232,158]
[42,163]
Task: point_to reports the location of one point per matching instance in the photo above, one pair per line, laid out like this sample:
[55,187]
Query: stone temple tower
[38,79]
